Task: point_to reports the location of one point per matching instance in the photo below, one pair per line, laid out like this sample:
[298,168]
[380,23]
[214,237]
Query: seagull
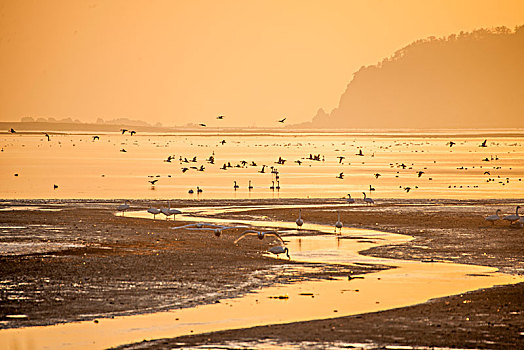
[259,234]
[282,120]
[279,250]
[350,200]
[493,218]
[338,224]
[340,176]
[367,199]
[123,207]
[483,144]
[299,221]
[153,182]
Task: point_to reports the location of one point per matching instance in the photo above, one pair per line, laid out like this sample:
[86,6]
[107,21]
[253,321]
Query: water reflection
[82,168]
[409,283]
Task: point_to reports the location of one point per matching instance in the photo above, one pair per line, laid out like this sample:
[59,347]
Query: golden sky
[177,62]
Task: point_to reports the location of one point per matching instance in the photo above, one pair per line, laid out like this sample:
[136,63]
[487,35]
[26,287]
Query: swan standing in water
[368,200]
[259,234]
[123,207]
[170,211]
[338,224]
[153,211]
[513,217]
[493,218]
[299,221]
[279,250]
[350,200]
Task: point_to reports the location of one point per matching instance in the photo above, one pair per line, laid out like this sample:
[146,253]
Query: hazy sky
[177,62]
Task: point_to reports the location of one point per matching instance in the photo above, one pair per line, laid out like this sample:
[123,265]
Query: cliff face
[470,80]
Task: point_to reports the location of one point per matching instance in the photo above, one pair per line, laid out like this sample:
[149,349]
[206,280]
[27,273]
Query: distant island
[469,80]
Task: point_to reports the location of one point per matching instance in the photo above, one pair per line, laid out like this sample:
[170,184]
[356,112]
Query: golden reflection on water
[411,282]
[85,168]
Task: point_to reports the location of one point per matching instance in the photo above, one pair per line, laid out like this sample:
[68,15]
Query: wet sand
[128,265]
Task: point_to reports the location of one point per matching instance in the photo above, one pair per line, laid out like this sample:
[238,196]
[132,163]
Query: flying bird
[47,135]
[483,144]
[377,175]
[220,117]
[451,143]
[153,182]
[359,153]
[340,176]
[419,173]
[260,235]
[201,124]
[123,131]
[96,137]
[282,120]
[132,132]
[12,131]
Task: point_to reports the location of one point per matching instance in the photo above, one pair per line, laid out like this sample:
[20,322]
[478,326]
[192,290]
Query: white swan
[170,211]
[367,199]
[153,211]
[493,218]
[513,217]
[123,207]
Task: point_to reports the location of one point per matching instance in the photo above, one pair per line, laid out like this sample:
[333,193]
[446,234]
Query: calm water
[87,168]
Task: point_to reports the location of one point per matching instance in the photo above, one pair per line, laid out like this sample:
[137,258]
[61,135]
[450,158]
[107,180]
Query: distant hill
[469,80]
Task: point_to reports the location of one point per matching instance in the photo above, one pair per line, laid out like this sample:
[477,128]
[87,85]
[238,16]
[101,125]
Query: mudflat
[78,261]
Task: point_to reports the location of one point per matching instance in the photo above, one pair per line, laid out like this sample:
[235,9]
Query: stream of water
[411,282]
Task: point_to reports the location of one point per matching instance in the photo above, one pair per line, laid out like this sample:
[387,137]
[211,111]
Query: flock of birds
[192,163]
[515,220]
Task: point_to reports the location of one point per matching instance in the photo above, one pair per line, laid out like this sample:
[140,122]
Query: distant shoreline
[30,128]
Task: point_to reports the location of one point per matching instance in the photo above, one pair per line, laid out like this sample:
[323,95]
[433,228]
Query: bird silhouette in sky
[282,120]
[220,117]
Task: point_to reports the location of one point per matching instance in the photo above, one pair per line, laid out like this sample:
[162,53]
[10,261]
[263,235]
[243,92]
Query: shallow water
[411,282]
[83,168]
